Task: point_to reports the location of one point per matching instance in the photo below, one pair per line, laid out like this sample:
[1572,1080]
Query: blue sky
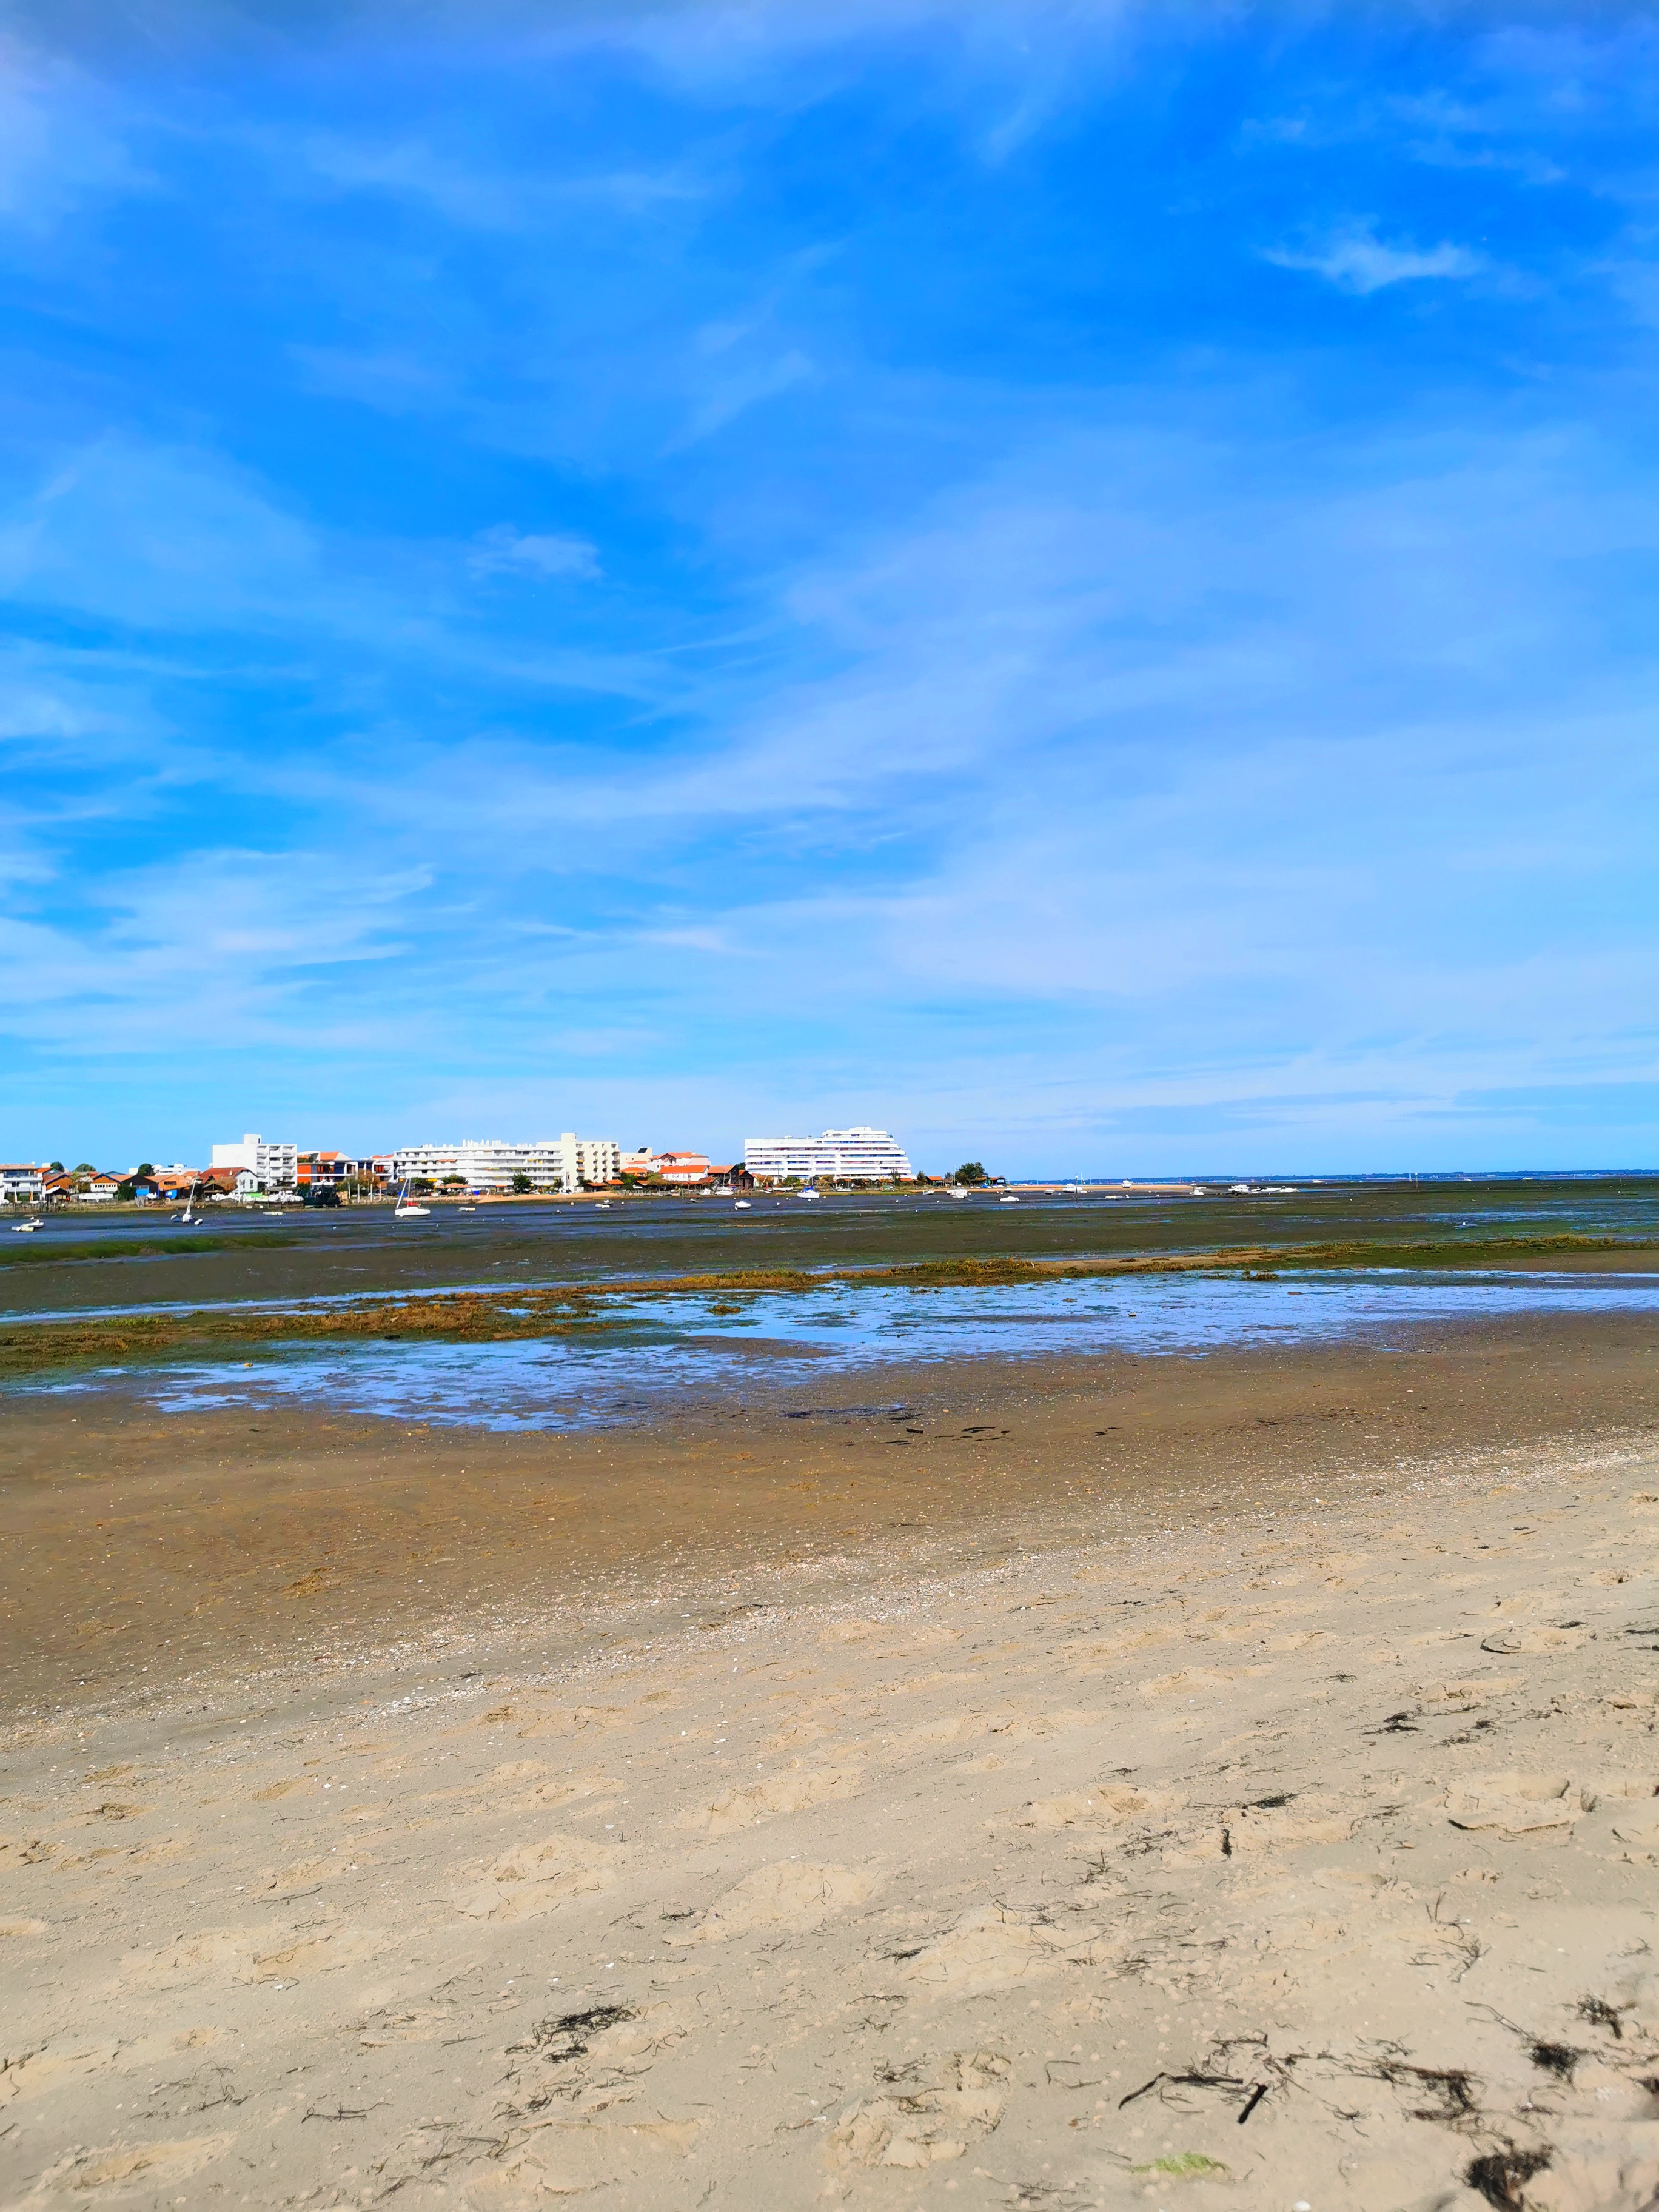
[1075,580]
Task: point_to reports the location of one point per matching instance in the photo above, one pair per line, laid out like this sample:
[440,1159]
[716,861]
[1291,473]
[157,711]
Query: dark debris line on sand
[476,1316]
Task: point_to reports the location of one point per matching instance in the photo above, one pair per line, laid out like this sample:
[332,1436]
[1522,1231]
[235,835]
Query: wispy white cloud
[1357,260]
[504,550]
[149,534]
[462,191]
[61,142]
[478,192]
[732,391]
[182,543]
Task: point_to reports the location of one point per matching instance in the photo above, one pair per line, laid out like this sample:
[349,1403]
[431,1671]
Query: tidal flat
[505,1271]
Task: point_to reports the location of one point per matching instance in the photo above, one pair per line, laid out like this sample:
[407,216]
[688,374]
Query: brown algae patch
[549,1310]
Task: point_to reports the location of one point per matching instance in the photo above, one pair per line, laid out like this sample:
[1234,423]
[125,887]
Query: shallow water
[362,1251]
[654,1352]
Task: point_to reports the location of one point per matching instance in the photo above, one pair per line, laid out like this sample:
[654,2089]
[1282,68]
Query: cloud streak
[503,550]
[1357,260]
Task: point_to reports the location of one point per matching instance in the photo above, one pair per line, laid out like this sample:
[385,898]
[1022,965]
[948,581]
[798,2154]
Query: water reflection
[651,1352]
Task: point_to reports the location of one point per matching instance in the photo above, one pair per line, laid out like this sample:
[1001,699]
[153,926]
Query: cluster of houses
[53,1184]
[256,1169]
[269,1173]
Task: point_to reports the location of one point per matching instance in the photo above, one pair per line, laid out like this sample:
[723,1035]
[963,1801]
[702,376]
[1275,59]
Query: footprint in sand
[308,1874]
[91,2173]
[536,1877]
[927,2122]
[339,1947]
[794,1792]
[36,2071]
[1513,1804]
[896,1642]
[1089,1658]
[286,1787]
[1108,1805]
[996,1948]
[564,1720]
[1472,1693]
[1007,1724]
[1193,1681]
[212,1954]
[790,1896]
[1252,1831]
[270,1953]
[1535,1640]
[570,2157]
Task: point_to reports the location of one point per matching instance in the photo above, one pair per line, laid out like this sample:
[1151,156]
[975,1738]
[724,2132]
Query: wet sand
[138,1540]
[1083,1783]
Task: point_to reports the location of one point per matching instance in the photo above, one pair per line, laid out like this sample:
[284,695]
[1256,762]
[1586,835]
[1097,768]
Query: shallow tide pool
[651,1352]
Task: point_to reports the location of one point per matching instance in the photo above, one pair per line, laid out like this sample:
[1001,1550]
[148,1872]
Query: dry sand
[1240,1785]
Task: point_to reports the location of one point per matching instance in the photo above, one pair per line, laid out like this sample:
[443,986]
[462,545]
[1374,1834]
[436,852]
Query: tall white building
[490,1162]
[274,1167]
[848,1154]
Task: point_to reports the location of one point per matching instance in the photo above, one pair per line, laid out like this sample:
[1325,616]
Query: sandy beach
[1081,1783]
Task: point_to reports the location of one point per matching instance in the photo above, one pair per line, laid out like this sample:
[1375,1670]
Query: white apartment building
[19,1184]
[274,1167]
[563,1163]
[849,1155]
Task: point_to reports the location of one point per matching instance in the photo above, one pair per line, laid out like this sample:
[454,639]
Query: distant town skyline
[1072,580]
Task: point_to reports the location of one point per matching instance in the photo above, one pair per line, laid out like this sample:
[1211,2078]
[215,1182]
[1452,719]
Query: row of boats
[409,1208]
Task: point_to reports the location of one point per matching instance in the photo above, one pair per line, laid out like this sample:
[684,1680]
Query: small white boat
[1010,1201]
[957,1192]
[604,1207]
[24,1228]
[811,1193]
[742,1206]
[406,1209]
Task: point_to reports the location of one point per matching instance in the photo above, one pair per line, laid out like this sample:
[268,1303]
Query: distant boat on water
[742,1206]
[406,1209]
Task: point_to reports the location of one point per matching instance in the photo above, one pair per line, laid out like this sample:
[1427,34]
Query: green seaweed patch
[1182,2166]
[137,1248]
[557,1309]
